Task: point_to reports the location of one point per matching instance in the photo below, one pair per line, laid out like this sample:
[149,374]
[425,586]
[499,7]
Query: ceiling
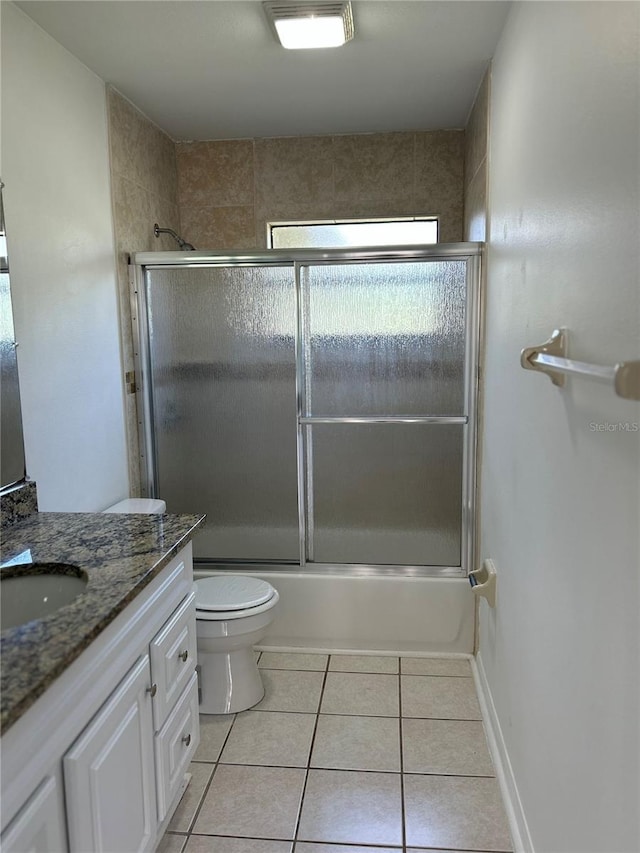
[208,69]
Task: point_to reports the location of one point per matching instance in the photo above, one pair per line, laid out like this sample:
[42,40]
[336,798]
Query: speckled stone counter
[120,554]
[18,503]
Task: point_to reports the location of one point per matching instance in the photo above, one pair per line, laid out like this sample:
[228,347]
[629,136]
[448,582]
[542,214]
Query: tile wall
[475,164]
[228,190]
[144,191]
[221,194]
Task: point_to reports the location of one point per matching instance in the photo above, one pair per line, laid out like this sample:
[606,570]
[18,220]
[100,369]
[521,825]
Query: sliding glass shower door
[318,406]
[222,374]
[383,361]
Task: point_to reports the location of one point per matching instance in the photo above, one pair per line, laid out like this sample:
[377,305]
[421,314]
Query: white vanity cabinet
[117,731]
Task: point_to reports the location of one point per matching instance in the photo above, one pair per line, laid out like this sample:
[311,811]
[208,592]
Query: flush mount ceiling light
[310,25]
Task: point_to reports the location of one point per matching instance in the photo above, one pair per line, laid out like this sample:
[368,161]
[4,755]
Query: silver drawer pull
[152,690]
[184,655]
[186,740]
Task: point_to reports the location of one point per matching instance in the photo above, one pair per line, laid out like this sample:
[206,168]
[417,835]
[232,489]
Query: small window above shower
[350,233]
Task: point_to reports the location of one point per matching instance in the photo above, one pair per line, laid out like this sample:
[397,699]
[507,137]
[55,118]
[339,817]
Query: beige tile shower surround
[221,194]
[346,754]
[228,190]
[144,190]
[475,164]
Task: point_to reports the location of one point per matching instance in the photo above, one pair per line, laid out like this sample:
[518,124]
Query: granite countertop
[119,553]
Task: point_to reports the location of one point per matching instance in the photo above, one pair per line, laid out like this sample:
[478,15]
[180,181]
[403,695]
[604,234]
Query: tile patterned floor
[346,754]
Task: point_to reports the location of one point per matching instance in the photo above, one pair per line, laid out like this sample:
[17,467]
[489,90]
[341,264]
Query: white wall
[55,164]
[560,500]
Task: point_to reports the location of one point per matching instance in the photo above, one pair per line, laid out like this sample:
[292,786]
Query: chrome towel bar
[551,358]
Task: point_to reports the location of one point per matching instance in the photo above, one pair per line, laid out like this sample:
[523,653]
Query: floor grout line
[371,716]
[192,823]
[313,740]
[196,813]
[355,770]
[368,672]
[401,745]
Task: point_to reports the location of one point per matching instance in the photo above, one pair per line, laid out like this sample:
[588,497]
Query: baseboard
[522,842]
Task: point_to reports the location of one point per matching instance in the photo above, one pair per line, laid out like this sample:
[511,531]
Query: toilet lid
[225,593]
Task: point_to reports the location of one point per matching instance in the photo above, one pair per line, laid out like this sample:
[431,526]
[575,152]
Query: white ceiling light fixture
[301,26]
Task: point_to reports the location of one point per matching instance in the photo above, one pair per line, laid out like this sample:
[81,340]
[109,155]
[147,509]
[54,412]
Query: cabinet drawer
[173,659]
[175,745]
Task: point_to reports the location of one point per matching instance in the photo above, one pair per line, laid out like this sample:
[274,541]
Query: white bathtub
[383,614]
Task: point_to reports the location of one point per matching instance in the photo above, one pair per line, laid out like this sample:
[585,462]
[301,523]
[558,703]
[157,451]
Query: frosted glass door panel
[387,493]
[384,338]
[222,344]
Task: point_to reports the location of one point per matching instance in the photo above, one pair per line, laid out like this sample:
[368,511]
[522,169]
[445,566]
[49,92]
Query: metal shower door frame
[471,253]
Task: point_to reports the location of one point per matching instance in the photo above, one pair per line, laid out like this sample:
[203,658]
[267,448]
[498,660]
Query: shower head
[186,247]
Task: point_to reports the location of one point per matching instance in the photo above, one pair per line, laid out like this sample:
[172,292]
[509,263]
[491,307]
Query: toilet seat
[232,597]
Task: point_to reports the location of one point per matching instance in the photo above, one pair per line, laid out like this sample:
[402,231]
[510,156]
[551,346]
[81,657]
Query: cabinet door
[109,773]
[37,828]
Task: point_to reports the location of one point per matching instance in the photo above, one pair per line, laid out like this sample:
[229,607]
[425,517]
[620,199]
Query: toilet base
[229,681]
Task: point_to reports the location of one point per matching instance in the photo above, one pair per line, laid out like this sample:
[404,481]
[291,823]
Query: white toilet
[232,614]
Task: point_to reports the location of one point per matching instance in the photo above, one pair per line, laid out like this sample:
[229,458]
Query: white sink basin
[37,591]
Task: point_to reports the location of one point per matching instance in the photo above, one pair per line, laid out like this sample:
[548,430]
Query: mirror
[12,465]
